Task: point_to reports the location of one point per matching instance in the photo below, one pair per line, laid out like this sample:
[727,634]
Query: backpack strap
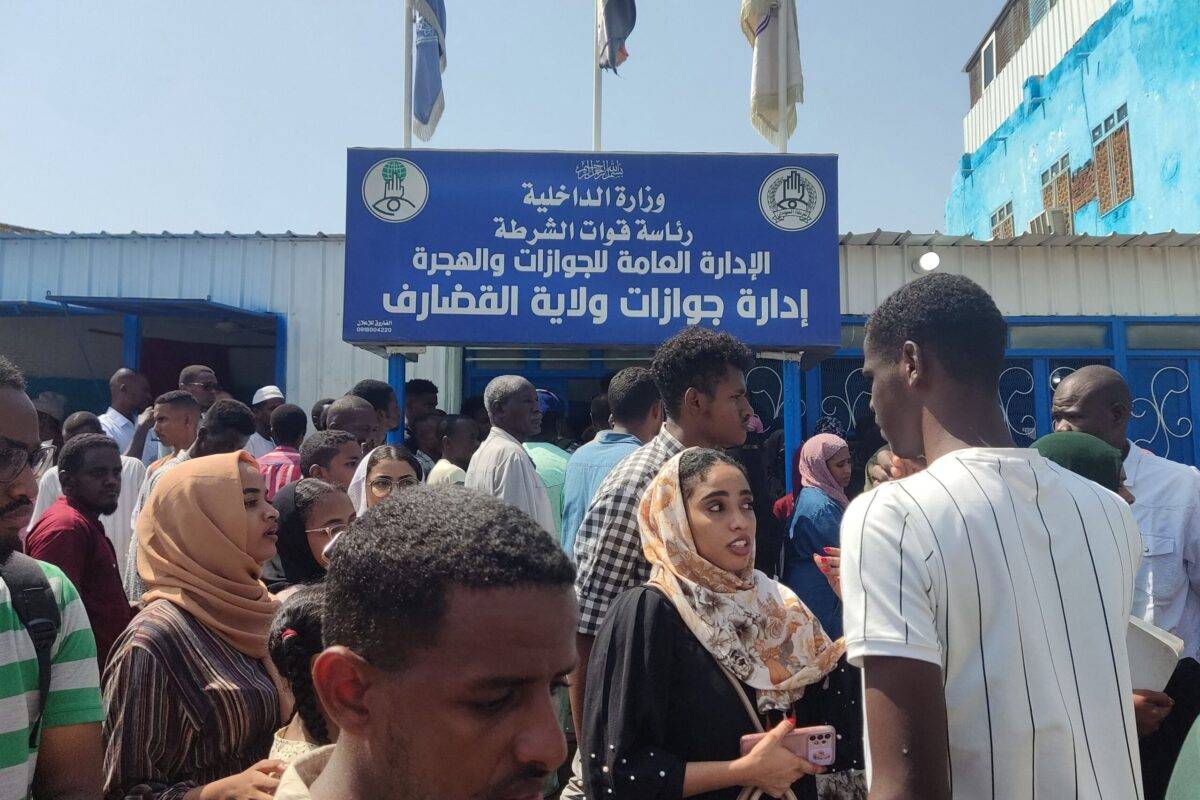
[35,605]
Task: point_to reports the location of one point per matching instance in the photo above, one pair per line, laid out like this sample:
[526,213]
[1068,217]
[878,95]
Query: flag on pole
[615,20]
[760,25]
[429,45]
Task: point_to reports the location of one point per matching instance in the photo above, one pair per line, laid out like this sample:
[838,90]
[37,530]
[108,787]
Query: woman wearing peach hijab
[191,702]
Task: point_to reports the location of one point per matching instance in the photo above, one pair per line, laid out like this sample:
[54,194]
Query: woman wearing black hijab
[312,513]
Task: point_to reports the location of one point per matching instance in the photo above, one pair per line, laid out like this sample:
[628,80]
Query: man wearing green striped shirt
[64,761]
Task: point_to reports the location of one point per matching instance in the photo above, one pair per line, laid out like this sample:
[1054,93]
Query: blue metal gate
[1163,401]
[1160,358]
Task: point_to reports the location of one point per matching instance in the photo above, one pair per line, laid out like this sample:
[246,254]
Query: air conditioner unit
[1051,222]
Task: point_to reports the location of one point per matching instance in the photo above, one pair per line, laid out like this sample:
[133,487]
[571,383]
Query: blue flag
[429,63]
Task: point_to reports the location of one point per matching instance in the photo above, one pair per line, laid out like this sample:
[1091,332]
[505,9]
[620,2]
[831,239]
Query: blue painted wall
[1142,53]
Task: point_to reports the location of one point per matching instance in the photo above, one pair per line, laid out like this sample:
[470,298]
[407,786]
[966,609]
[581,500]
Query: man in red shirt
[281,466]
[70,535]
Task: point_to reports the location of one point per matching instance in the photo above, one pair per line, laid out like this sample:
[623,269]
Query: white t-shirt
[1015,576]
[446,473]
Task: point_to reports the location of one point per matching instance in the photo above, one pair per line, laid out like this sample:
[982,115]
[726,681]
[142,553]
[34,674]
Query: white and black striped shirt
[1016,577]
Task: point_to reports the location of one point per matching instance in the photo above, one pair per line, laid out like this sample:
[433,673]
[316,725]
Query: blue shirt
[587,469]
[815,525]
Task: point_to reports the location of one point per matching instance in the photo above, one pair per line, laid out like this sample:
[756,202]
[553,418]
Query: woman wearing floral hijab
[689,663]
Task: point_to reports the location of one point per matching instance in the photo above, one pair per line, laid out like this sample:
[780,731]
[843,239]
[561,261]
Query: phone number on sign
[373,326]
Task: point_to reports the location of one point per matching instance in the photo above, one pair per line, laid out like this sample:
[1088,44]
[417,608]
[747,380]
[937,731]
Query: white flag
[760,24]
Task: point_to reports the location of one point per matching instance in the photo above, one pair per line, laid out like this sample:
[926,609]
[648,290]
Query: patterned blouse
[183,708]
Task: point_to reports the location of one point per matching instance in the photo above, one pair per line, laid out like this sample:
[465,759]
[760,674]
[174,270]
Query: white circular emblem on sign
[791,198]
[395,190]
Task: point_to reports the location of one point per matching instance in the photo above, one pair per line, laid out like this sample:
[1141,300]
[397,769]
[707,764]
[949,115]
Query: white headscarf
[358,485]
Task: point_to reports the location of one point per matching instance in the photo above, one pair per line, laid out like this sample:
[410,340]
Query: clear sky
[218,115]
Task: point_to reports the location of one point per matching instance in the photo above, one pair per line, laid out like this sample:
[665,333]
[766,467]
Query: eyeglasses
[211,386]
[14,459]
[332,531]
[382,487]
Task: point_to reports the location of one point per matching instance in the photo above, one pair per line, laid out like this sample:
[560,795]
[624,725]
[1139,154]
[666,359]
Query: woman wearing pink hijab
[824,467]
[810,552]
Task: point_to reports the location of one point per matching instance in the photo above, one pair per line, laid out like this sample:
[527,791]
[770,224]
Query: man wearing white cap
[266,400]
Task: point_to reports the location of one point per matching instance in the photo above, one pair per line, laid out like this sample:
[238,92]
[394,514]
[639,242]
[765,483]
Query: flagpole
[408,73]
[782,94]
[597,84]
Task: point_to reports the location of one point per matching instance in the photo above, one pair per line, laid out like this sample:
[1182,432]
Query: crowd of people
[206,601]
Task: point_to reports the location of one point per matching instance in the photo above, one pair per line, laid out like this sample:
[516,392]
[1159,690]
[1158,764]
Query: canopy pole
[793,420]
[597,83]
[782,94]
[397,369]
[408,73]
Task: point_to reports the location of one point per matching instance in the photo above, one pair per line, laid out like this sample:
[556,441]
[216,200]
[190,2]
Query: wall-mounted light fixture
[927,263]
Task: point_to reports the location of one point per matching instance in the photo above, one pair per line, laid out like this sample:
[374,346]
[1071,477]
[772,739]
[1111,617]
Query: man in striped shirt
[281,466]
[987,598]
[64,759]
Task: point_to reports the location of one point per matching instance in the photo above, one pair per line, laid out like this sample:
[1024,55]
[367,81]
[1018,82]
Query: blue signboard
[515,248]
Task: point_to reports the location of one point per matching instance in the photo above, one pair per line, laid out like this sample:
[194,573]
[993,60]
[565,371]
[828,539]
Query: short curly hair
[289,423]
[320,449]
[950,315]
[10,376]
[390,575]
[377,393]
[631,395]
[696,358]
[70,460]
[229,415]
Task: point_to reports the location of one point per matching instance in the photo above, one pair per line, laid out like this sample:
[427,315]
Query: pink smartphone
[815,744]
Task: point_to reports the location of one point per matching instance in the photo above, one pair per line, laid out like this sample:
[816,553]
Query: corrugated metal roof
[882,238]
[878,237]
[195,307]
[288,235]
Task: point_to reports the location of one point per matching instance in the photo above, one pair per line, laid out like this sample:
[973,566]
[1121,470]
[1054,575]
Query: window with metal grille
[1011,32]
[1002,222]
[1056,187]
[1038,9]
[1114,162]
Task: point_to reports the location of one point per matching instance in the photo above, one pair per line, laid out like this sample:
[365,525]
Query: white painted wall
[302,277]
[298,276]
[1053,280]
[1048,42]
